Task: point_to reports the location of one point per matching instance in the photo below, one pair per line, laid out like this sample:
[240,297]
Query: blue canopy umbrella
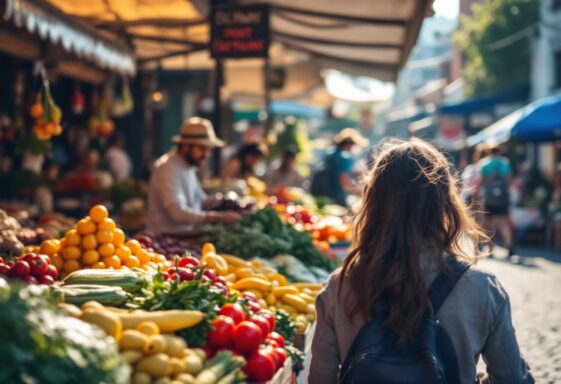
[539,121]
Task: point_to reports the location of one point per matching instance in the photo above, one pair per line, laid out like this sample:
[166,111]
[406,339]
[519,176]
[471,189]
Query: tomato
[276,357]
[221,336]
[52,271]
[188,261]
[250,296]
[260,366]
[221,280]
[4,269]
[20,269]
[38,267]
[210,273]
[165,275]
[282,353]
[278,338]
[220,287]
[186,274]
[253,306]
[233,311]
[1,260]
[46,258]
[262,323]
[27,257]
[247,336]
[30,279]
[46,279]
[269,316]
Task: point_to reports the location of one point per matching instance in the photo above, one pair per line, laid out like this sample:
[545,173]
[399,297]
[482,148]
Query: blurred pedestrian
[118,159]
[336,178]
[285,173]
[243,164]
[412,233]
[470,178]
[494,182]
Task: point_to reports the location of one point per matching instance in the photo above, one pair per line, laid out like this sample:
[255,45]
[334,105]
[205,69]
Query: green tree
[495,42]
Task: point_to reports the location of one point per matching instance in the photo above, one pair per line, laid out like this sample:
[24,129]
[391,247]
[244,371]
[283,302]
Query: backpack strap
[444,283]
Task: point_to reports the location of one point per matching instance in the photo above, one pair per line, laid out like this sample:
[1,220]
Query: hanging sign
[239,31]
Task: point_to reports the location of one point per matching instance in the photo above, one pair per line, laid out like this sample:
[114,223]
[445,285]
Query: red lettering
[237,33]
[246,46]
[222,46]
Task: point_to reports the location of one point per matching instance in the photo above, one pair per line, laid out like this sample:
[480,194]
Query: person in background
[285,173]
[494,181]
[336,179]
[176,201]
[410,226]
[44,193]
[243,164]
[118,160]
[470,177]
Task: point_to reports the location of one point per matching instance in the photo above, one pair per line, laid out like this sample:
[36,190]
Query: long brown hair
[410,204]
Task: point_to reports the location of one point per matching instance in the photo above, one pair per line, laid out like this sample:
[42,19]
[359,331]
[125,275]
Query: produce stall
[207,309]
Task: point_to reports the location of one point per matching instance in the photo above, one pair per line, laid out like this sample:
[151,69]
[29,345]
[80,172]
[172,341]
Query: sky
[447,8]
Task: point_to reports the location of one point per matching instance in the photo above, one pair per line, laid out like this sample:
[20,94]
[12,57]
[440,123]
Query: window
[557,68]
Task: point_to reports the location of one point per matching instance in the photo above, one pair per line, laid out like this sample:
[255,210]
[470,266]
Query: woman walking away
[410,286]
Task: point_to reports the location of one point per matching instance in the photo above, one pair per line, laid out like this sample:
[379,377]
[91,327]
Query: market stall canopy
[51,24]
[539,121]
[369,38]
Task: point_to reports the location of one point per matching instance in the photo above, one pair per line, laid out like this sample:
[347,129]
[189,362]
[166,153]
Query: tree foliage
[495,42]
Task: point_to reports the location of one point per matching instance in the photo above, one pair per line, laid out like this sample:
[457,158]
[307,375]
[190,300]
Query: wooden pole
[218,81]
[267,85]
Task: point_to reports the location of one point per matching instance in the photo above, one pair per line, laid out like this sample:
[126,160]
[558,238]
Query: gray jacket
[476,315]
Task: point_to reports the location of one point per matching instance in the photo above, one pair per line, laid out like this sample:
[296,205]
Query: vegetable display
[263,234]
[31,268]
[43,345]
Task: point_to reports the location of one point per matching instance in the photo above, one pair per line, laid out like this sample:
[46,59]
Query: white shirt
[175,196]
[470,176]
[119,163]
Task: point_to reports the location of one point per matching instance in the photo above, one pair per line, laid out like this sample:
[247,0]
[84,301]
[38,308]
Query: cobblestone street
[534,285]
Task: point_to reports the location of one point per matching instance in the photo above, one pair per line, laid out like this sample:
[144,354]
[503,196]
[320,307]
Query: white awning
[496,133]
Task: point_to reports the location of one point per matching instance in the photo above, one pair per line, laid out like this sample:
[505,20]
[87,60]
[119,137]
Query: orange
[143,256]
[73,237]
[132,262]
[104,236]
[89,242]
[85,226]
[106,225]
[123,252]
[106,250]
[118,237]
[134,246]
[158,258]
[112,261]
[57,261]
[50,247]
[98,213]
[99,265]
[208,248]
[71,253]
[71,266]
[90,257]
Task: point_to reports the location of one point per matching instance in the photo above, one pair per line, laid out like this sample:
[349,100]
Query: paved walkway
[533,282]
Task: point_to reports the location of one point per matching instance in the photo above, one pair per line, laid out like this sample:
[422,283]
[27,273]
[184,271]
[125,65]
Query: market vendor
[244,163]
[176,200]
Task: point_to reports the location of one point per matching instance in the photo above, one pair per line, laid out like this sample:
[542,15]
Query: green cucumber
[128,280]
[80,293]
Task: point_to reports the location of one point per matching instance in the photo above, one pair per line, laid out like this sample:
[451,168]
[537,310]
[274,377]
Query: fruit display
[42,344]
[31,268]
[96,242]
[47,115]
[9,242]
[100,124]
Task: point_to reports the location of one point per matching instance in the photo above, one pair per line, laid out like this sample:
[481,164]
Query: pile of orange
[96,242]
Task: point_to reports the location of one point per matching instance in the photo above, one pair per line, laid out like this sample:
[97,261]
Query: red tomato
[46,279]
[52,271]
[30,279]
[260,366]
[210,273]
[278,338]
[4,269]
[188,261]
[221,336]
[250,296]
[247,336]
[253,306]
[220,279]
[233,311]
[38,267]
[271,343]
[165,275]
[46,258]
[1,260]
[262,323]
[20,269]
[269,316]
[27,257]
[282,353]
[186,274]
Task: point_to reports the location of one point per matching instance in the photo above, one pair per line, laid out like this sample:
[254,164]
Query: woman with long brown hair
[411,221]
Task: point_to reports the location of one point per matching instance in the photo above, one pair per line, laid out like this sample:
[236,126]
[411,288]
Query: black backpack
[322,179]
[429,357]
[496,189]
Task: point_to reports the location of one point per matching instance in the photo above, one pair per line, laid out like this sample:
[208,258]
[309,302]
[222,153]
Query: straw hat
[351,136]
[196,130]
